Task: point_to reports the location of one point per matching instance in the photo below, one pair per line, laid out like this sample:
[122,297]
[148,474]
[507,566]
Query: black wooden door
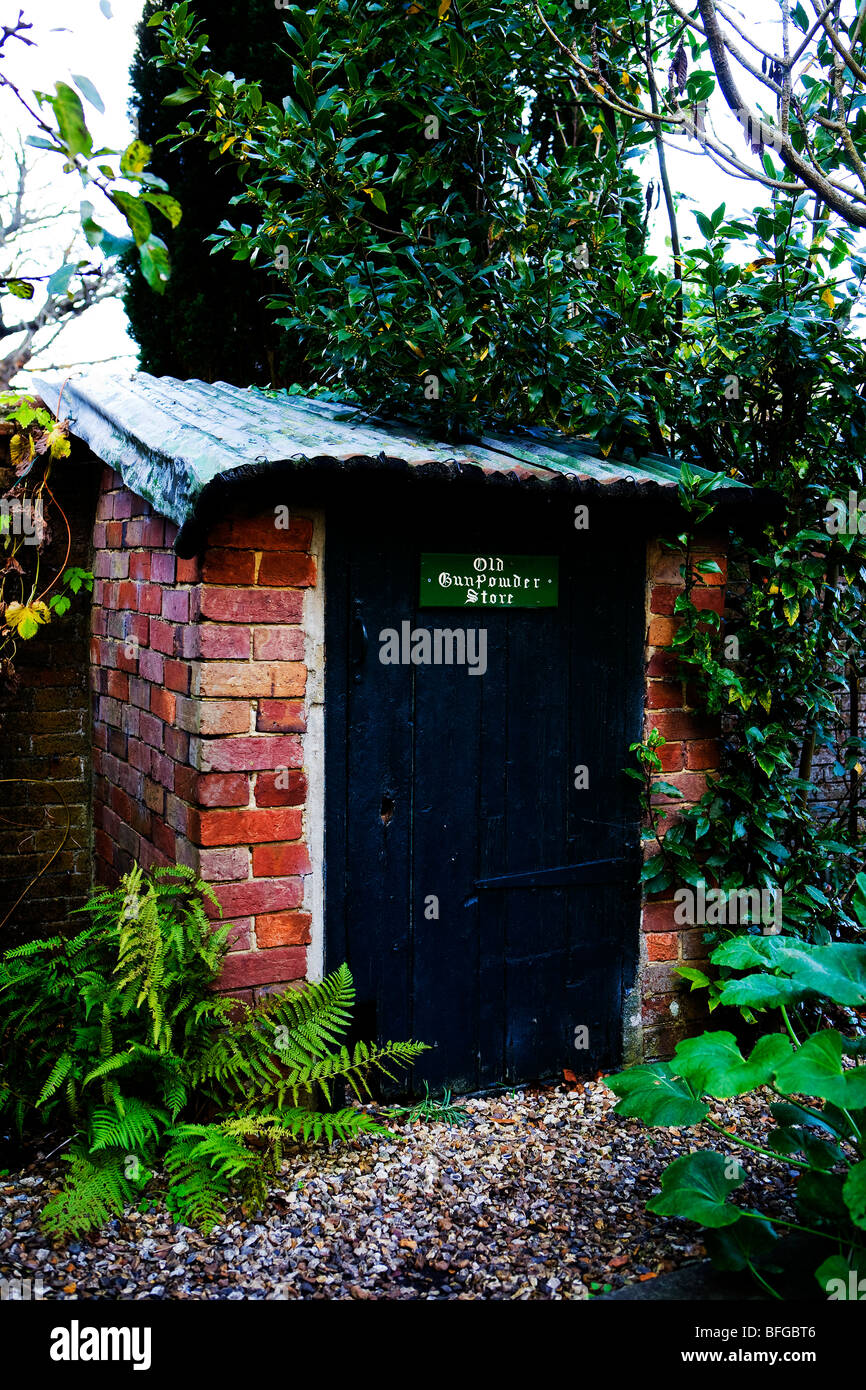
[485,903]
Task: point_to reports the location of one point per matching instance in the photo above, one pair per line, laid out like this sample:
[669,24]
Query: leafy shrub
[117,1032]
[824,1141]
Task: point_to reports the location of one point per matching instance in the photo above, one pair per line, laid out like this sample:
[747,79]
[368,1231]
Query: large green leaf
[69,113]
[854,1193]
[653,1095]
[837,972]
[743,1244]
[135,213]
[714,1065]
[760,992]
[697,1187]
[820,1199]
[816,1070]
[155,263]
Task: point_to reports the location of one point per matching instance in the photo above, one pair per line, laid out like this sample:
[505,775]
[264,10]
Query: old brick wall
[691,750]
[45,733]
[202,704]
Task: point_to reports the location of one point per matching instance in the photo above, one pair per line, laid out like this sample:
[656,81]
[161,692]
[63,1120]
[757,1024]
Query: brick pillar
[690,751]
[200,719]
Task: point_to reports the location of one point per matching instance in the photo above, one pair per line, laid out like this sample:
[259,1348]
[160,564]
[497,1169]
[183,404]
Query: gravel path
[541,1195]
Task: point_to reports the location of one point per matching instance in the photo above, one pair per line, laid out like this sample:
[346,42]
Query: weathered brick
[659,917]
[281,963]
[252,678]
[222,789]
[163,637]
[281,716]
[258,753]
[283,929]
[213,717]
[162,704]
[661,631]
[275,861]
[691,785]
[702,753]
[285,788]
[293,569]
[260,533]
[225,643]
[175,605]
[252,605]
[229,567]
[216,865]
[246,828]
[278,643]
[163,567]
[662,945]
[263,895]
[683,724]
[177,675]
[664,695]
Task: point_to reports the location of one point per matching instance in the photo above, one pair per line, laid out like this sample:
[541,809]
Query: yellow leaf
[597,130]
[606,448]
[766,699]
[27,618]
[484,354]
[20,449]
[444,7]
[227,143]
[829,298]
[58,441]
[415,348]
[625,80]
[597,87]
[858,768]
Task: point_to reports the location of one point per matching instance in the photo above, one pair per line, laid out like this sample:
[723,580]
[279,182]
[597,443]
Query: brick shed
[379,693]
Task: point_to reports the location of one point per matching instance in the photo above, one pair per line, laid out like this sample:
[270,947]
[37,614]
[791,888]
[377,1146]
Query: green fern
[116,1031]
[96,1189]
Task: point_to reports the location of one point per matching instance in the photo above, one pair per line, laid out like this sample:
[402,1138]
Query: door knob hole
[387,809]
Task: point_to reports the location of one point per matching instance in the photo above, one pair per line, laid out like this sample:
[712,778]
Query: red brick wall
[45,733]
[200,688]
[691,750]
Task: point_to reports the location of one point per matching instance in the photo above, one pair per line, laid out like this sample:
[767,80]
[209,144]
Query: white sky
[75,37]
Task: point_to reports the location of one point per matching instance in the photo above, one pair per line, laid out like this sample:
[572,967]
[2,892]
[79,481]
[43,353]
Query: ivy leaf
[696,1187]
[654,1095]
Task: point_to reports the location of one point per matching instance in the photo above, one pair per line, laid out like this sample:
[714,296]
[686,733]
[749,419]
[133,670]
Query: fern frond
[96,1189]
[130,1130]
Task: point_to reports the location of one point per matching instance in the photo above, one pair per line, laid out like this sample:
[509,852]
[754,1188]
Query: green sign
[489,581]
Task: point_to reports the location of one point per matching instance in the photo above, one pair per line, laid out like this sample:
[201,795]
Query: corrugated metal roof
[171,440]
